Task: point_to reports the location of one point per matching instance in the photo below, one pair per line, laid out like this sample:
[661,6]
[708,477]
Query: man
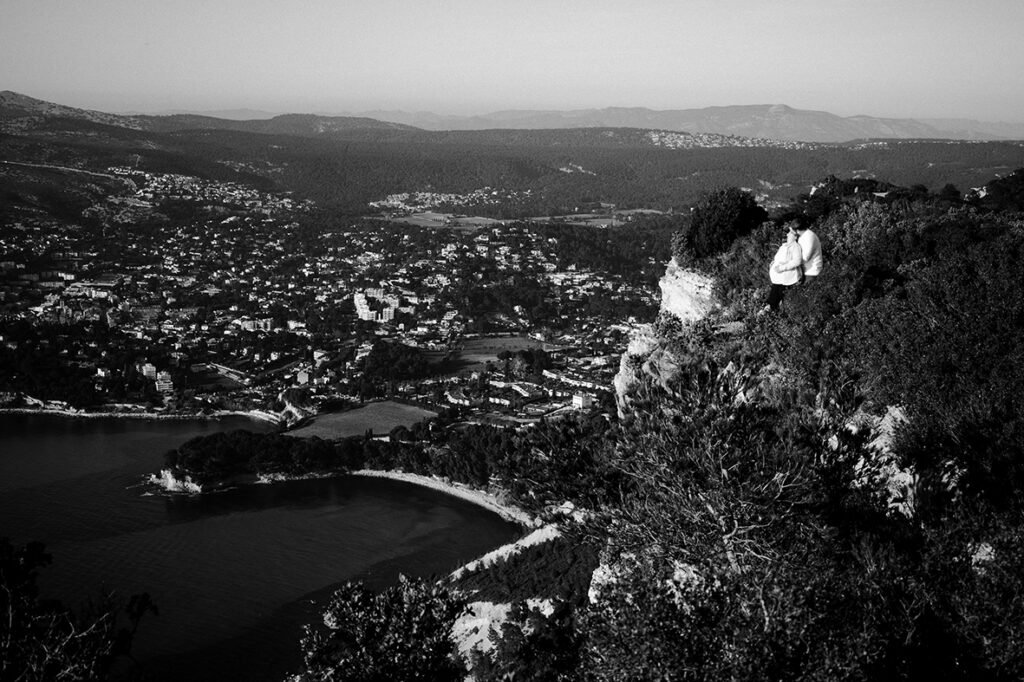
[810,246]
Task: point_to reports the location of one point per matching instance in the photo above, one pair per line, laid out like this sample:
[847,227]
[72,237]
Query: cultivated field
[380,417]
[487,349]
[445,220]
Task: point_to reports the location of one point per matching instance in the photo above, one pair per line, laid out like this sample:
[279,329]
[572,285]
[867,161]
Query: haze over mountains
[348,163]
[777,122]
[15,106]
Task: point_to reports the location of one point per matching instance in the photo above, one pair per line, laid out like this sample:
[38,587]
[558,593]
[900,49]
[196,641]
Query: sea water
[234,574]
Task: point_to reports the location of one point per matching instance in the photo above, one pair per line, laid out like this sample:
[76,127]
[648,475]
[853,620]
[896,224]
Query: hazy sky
[900,58]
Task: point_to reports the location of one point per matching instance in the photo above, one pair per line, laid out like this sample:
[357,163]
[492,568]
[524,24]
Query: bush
[534,647]
[402,633]
[715,222]
[41,639]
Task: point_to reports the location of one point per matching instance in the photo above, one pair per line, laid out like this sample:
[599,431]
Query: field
[486,349]
[584,219]
[379,417]
[209,380]
[474,354]
[445,220]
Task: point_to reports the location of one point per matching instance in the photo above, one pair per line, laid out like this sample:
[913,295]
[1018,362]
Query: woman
[786,268]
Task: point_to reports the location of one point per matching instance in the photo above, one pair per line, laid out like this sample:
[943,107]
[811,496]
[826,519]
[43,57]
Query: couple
[798,260]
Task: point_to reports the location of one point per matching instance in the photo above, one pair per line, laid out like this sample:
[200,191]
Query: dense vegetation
[476,455]
[347,169]
[636,252]
[559,569]
[756,527]
[219,457]
[401,633]
[42,640]
[833,492]
[716,221]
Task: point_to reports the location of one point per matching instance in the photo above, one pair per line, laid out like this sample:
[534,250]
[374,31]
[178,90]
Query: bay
[235,573]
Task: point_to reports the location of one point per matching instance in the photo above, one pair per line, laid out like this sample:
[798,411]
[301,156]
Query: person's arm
[794,259]
[806,246]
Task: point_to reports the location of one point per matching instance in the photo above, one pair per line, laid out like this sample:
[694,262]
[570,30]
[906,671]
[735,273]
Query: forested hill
[21,108]
[345,164]
[836,491]
[286,124]
[775,121]
[832,492]
[765,121]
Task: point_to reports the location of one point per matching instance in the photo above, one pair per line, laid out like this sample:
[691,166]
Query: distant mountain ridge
[758,122]
[770,121]
[14,105]
[17,110]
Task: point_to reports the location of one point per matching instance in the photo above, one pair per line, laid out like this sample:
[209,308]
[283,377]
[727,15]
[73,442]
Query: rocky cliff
[686,296]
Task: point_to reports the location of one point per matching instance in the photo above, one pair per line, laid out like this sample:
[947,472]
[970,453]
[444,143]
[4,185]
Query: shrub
[41,639]
[715,222]
[402,633]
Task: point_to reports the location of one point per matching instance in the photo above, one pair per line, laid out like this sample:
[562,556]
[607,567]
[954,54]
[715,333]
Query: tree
[534,646]
[43,640]
[715,223]
[402,633]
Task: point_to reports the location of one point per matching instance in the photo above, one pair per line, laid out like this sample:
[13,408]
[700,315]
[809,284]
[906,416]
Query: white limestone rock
[881,470]
[662,366]
[168,482]
[685,295]
[641,343]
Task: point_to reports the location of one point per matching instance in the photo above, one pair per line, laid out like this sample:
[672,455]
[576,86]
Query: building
[582,401]
[164,383]
[373,305]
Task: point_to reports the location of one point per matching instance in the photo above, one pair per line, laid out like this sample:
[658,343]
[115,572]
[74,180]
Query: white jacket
[785,267]
[811,247]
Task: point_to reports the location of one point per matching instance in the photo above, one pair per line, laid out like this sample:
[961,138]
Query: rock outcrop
[171,484]
[687,296]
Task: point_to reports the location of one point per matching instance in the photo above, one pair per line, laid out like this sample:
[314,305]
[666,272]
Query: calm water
[234,574]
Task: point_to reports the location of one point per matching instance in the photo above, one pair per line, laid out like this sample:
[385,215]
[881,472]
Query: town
[188,296]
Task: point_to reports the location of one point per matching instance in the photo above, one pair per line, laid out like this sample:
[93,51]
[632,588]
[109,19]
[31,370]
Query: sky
[885,58]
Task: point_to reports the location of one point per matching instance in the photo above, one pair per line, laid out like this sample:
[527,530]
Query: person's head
[791,230]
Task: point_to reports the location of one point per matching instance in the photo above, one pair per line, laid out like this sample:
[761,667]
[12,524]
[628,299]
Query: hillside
[768,122]
[14,106]
[20,112]
[347,163]
[830,492]
[778,122]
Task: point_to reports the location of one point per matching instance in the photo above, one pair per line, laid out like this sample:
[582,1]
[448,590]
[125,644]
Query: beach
[478,497]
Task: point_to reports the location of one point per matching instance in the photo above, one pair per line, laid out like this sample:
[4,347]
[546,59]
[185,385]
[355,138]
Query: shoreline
[489,501]
[255,415]
[480,498]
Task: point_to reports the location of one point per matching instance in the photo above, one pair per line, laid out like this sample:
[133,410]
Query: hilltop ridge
[15,106]
[774,121]
[758,121]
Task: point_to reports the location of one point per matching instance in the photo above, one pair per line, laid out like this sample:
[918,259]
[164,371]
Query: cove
[235,574]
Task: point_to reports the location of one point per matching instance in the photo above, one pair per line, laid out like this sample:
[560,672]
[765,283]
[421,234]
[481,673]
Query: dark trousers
[775,295]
